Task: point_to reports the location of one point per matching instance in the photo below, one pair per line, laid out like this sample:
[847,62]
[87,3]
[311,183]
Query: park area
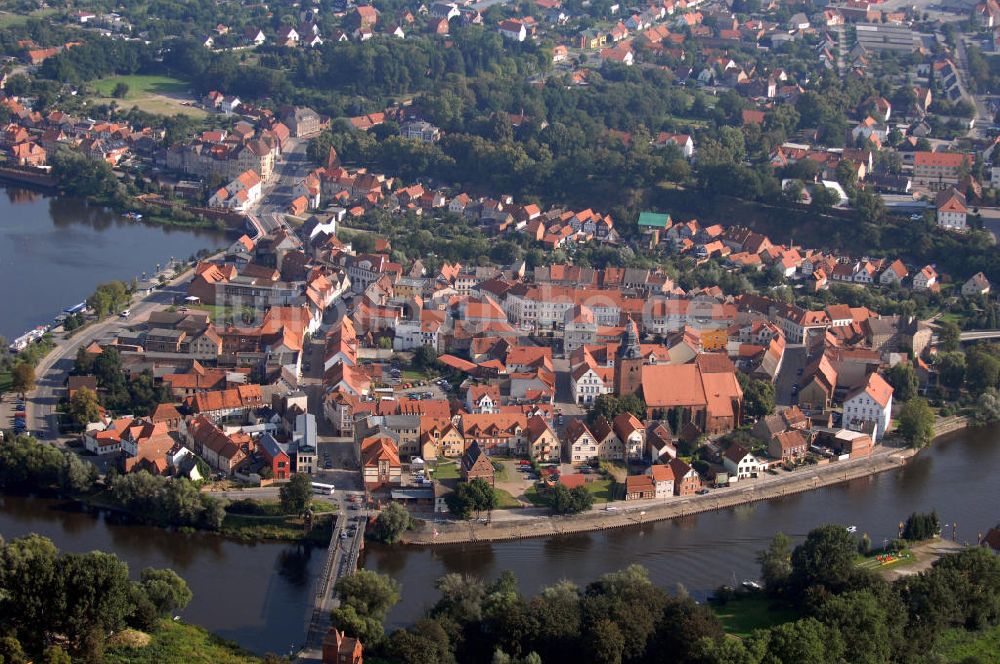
[162,95]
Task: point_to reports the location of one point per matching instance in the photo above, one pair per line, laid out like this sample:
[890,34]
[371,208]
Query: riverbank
[175,642]
[245,528]
[510,525]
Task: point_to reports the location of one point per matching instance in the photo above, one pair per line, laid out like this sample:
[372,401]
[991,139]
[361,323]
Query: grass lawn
[500,474]
[532,496]
[5,382]
[446,471]
[409,376]
[153,94]
[905,557]
[177,642]
[600,489]
[505,500]
[217,312]
[741,616]
[8,20]
[956,645]
[287,528]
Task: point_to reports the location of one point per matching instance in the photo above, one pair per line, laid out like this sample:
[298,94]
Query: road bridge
[979,335]
[342,556]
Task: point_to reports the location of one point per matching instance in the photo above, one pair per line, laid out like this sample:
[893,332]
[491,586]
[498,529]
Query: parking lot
[13,414]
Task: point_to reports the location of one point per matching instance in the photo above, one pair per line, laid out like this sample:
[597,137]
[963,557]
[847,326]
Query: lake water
[55,250]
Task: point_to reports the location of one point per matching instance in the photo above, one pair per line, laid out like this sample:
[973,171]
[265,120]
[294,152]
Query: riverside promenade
[539,522]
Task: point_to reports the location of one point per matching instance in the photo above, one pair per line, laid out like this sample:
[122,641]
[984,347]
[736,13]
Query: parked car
[701,492]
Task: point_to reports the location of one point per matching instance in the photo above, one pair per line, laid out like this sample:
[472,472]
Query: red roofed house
[639,487]
[663,480]
[939,170]
[951,210]
[686,480]
[240,194]
[339,648]
[870,406]
[380,464]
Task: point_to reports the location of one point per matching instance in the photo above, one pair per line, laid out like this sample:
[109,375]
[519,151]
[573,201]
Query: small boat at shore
[133,216]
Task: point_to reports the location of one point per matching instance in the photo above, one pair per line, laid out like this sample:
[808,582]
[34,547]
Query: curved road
[52,372]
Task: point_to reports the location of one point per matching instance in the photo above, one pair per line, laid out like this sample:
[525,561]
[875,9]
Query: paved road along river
[957,477]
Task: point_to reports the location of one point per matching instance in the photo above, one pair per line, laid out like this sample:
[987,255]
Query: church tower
[628,361]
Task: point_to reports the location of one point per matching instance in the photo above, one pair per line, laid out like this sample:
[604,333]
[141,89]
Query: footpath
[514,524]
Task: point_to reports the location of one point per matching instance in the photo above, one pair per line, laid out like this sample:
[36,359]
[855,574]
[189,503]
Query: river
[957,477]
[54,250]
[259,595]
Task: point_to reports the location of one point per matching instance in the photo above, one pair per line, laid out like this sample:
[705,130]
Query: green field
[8,20]
[446,471]
[601,490]
[153,94]
[957,645]
[740,617]
[177,642]
[505,500]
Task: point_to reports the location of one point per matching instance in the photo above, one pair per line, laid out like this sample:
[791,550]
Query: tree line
[844,614]
[56,605]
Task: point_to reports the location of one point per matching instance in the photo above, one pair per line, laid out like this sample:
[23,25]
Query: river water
[55,250]
[259,595]
[957,477]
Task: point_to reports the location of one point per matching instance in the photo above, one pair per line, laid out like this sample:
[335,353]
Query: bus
[323,489]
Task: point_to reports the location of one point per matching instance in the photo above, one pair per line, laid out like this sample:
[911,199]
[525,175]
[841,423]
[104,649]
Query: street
[52,372]
[277,193]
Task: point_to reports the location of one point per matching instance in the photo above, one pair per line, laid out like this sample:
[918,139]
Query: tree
[365,599]
[425,643]
[296,495]
[988,407]
[611,406]
[824,197]
[806,640]
[949,335]
[97,591]
[776,564]
[903,379]
[951,369]
[758,397]
[605,643]
[825,558]
[569,501]
[84,407]
[391,523]
[23,378]
[920,526]
[77,474]
[120,91]
[982,371]
[916,422]
[424,358]
[56,655]
[475,496]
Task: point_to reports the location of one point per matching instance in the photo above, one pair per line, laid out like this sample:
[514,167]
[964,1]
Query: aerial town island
[497,313]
